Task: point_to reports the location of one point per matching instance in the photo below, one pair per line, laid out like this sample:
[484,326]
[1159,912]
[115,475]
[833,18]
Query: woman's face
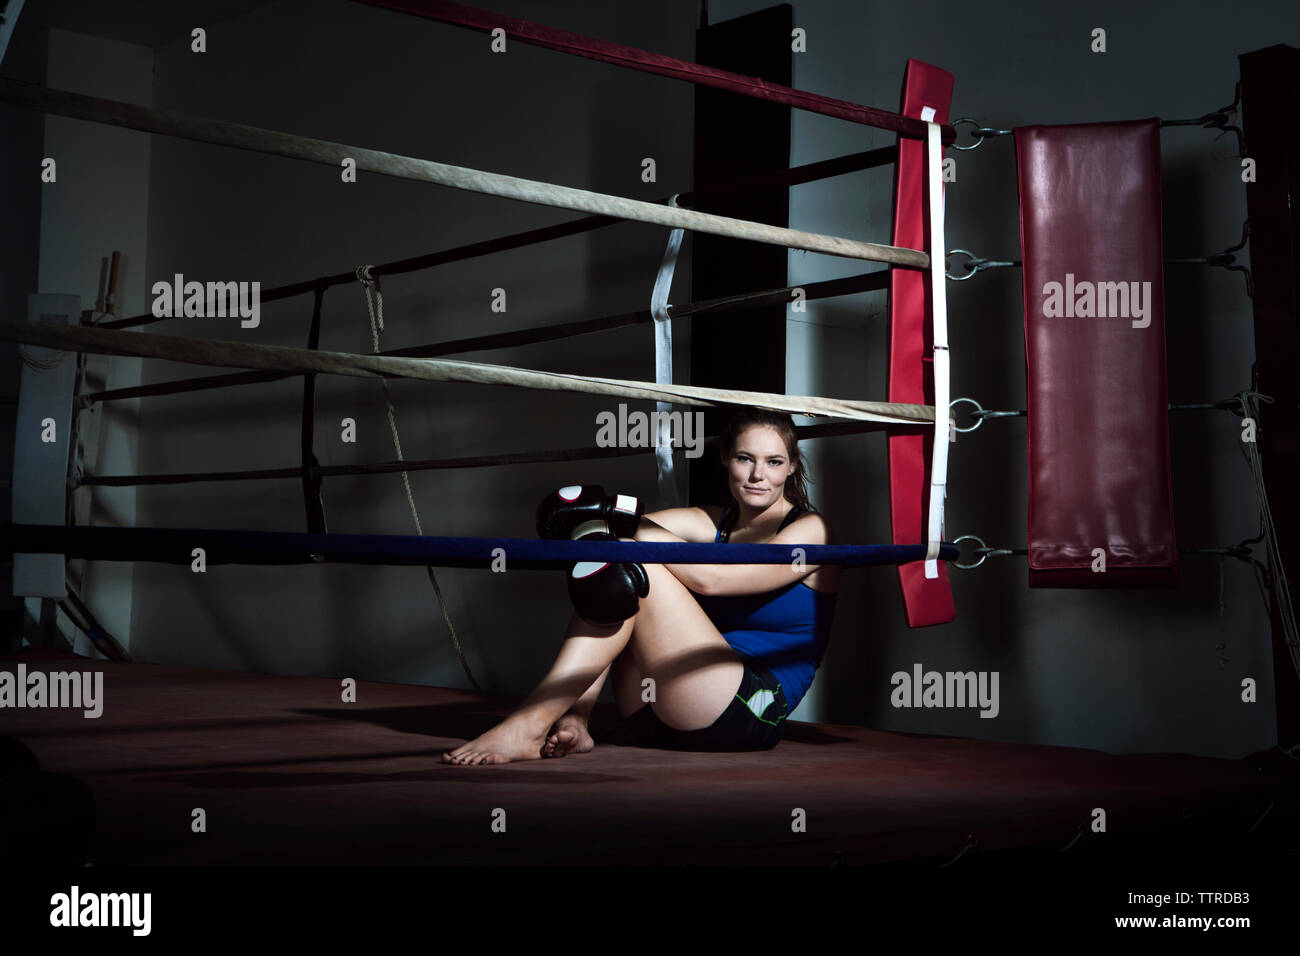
[758,467]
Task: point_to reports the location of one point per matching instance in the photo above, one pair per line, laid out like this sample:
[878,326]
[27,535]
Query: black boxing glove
[578,510]
[607,594]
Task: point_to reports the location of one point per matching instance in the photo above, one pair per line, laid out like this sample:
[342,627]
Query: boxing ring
[301,778]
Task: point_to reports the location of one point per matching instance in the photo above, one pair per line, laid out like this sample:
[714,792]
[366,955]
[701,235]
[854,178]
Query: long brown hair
[796,488]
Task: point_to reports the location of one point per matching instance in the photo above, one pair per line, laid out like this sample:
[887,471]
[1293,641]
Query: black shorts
[738,728]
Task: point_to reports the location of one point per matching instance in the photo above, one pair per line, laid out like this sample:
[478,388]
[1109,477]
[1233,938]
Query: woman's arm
[650,530]
[727,579]
[688,524]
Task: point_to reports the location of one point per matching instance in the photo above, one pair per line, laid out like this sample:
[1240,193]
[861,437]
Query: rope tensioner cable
[1220,119]
[984,551]
[1239,551]
[980,414]
[975,264]
[1224,260]
[978,131]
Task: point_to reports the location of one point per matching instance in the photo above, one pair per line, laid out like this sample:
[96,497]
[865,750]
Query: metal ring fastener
[979,418]
[983,547]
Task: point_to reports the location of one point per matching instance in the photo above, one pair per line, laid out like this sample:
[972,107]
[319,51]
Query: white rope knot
[375,305]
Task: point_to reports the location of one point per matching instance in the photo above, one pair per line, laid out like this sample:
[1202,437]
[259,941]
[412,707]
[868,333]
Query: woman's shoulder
[712,519]
[810,520]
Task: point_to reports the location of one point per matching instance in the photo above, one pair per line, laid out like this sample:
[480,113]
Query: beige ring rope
[246,355]
[222,133]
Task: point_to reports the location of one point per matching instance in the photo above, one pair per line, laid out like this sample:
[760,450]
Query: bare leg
[571,733]
[671,640]
[627,685]
[586,653]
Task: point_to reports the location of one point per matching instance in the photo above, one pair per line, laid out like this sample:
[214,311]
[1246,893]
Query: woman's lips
[756,491]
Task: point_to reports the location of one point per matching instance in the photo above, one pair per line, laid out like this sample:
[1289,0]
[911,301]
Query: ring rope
[222,133]
[772,179]
[828,288]
[575,44]
[802,432]
[176,545]
[247,355]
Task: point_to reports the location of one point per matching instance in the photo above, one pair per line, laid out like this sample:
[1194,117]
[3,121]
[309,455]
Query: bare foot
[568,736]
[506,742]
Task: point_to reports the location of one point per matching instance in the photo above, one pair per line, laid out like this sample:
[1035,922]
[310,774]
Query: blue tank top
[785,631]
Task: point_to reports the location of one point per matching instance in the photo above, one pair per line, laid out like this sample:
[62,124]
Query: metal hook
[1220,119]
[1226,260]
[980,132]
[984,551]
[976,264]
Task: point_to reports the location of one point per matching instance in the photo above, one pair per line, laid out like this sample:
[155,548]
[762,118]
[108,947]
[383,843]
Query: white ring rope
[254,139]
[227,354]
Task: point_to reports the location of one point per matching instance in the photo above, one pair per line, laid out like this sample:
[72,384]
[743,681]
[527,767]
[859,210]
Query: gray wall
[60,237]
[100,204]
[20,200]
[1120,671]
[373,78]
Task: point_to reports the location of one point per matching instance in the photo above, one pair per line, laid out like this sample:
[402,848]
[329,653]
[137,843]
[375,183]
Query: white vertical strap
[664,365]
[942,384]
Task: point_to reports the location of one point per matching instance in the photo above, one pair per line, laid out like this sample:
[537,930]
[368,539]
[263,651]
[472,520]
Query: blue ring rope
[176,546]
